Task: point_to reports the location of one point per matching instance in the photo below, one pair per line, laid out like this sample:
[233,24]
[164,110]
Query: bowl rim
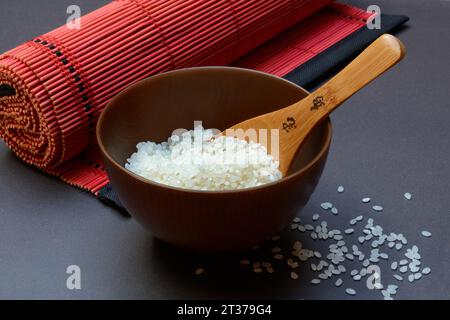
[285,179]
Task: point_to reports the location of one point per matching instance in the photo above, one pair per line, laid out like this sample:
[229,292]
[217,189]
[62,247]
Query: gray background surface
[390,138]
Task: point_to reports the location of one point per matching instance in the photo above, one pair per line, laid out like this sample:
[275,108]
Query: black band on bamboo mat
[6,91]
[77,79]
[319,68]
[312,72]
[110,198]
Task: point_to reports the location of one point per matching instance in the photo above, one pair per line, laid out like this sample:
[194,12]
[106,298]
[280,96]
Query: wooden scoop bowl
[296,121]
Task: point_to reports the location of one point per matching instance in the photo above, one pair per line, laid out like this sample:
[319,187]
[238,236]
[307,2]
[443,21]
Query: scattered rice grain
[199,271]
[326,205]
[350,291]
[398,277]
[426,270]
[349,231]
[377,208]
[426,234]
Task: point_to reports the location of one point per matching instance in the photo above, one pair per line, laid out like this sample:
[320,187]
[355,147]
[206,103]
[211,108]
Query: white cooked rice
[196,161]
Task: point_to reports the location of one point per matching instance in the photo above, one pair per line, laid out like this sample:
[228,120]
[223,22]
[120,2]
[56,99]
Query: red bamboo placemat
[60,82]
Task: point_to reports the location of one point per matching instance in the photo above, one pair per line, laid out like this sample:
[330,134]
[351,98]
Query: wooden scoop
[296,121]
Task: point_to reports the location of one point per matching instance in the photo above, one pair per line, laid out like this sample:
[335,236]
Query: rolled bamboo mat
[53,88]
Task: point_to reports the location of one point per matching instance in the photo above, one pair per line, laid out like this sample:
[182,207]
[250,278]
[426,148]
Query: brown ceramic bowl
[219,96]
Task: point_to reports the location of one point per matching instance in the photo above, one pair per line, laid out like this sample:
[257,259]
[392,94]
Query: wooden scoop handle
[380,56]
